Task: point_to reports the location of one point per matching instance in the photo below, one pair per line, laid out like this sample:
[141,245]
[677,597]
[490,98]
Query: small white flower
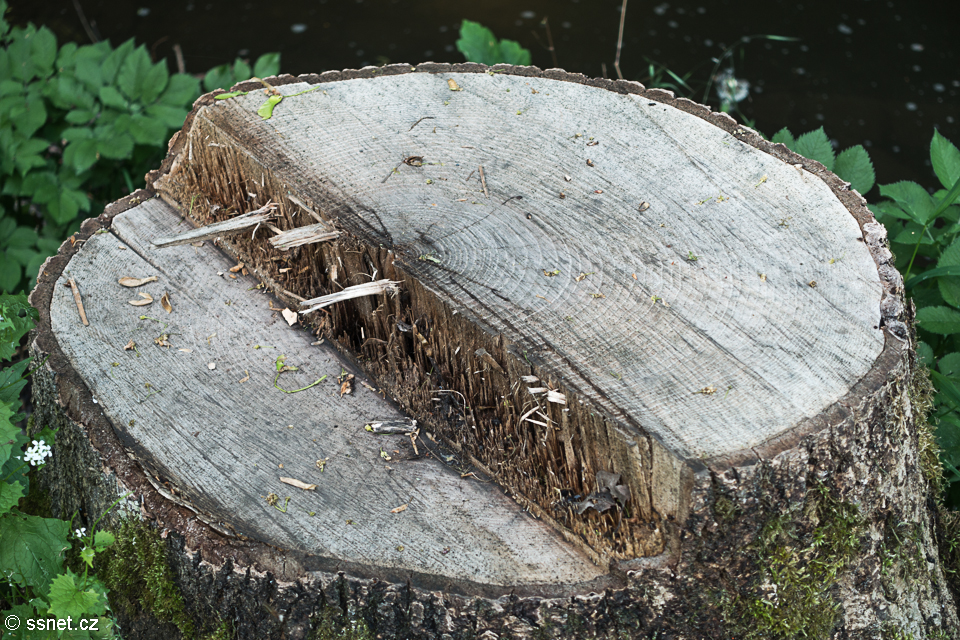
[730,88]
[82,531]
[38,452]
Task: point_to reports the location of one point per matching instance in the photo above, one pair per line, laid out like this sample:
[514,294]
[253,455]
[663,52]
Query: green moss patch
[136,571]
[800,557]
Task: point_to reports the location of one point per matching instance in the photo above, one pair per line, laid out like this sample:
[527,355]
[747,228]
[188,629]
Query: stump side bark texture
[757,402]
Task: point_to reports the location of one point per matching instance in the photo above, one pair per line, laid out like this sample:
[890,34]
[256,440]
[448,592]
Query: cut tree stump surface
[222,445]
[744,318]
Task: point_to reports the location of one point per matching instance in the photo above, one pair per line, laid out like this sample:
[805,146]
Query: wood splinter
[76,297]
[309,234]
[356,291]
[226,228]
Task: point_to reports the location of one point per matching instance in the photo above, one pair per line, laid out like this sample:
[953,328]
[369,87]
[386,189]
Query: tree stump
[626,370]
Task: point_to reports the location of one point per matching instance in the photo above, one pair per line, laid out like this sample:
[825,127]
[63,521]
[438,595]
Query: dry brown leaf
[130,346]
[165,303]
[293,482]
[402,507]
[147,299]
[136,282]
[289,316]
[347,385]
[244,378]
[236,268]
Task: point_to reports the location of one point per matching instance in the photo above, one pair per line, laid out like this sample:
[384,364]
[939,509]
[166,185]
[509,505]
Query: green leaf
[181,91]
[40,186]
[854,166]
[32,548]
[147,131]
[218,78]
[946,387]
[941,320]
[87,554]
[111,64]
[945,159]
[110,97]
[932,273]
[10,494]
[44,51]
[20,237]
[10,273]
[170,117]
[9,432]
[816,146]
[266,109]
[241,71]
[912,234]
[888,208]
[155,82]
[68,599]
[267,65]
[925,353]
[12,381]
[133,73]
[949,284]
[231,94]
[784,136]
[115,145]
[478,44]
[103,539]
[949,365]
[912,198]
[80,116]
[28,154]
[81,155]
[512,53]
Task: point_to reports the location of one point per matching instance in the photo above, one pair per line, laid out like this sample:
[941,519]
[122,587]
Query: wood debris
[356,291]
[399,509]
[404,427]
[230,227]
[310,234]
[136,282]
[236,268]
[346,384]
[76,298]
[293,482]
[486,357]
[289,316]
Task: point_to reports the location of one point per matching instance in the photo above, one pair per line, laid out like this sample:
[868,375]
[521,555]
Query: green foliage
[478,44]
[35,582]
[925,237]
[852,165]
[79,125]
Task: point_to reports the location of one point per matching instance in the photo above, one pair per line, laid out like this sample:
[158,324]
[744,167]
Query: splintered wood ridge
[564,308]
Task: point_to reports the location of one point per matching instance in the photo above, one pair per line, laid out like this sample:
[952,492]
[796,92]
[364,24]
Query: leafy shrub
[79,126]
[36,583]
[852,165]
[478,44]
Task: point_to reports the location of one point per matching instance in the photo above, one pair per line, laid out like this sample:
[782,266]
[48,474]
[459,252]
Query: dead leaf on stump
[136,282]
[293,482]
[147,299]
[346,384]
[165,303]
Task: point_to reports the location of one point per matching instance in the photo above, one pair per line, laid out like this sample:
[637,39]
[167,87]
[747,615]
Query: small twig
[83,20]
[616,63]
[76,297]
[553,52]
[178,52]
[483,181]
[419,121]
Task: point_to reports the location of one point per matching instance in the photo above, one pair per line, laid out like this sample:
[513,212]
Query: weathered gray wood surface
[751,402]
[222,444]
[783,349]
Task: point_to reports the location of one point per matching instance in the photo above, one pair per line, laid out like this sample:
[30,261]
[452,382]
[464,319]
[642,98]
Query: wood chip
[236,268]
[165,303]
[76,298]
[136,282]
[289,316]
[402,507]
[293,482]
[186,350]
[146,299]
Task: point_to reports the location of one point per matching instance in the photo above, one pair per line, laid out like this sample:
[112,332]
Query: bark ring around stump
[593,360]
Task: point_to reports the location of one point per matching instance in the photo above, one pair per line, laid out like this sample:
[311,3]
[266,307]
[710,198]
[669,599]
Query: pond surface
[881,73]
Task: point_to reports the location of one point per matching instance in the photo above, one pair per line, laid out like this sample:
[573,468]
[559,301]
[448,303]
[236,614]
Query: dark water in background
[882,73]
